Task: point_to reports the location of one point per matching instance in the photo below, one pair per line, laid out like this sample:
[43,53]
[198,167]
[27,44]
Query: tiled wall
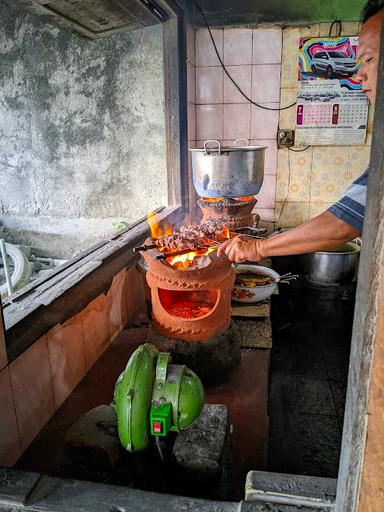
[36,384]
[263,61]
[253,59]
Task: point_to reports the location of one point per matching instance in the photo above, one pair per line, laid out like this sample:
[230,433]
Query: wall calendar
[331,106]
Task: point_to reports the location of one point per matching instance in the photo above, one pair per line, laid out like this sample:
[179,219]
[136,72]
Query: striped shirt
[351,207]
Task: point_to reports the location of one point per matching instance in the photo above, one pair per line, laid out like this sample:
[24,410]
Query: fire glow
[183,261]
[244,199]
[197,257]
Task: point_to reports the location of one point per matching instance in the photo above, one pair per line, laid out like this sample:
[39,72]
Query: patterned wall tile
[209,85]
[294,175]
[292,214]
[32,390]
[288,115]
[267,45]
[316,209]
[291,35]
[10,447]
[289,71]
[66,357]
[237,46]
[205,52]
[330,165]
[358,162]
[237,121]
[242,76]
[349,28]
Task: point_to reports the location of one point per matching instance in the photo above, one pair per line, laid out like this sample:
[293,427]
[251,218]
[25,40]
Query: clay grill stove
[190,305]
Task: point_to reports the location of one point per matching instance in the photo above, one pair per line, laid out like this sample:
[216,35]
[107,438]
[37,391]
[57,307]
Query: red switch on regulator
[157,427]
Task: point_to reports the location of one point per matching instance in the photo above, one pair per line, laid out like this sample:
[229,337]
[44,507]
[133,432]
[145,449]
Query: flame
[227,231]
[188,259]
[156,229]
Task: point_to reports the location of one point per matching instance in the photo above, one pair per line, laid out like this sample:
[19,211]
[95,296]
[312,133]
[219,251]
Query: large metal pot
[336,266]
[227,171]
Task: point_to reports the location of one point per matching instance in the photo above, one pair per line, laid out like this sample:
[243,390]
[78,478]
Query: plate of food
[253,283]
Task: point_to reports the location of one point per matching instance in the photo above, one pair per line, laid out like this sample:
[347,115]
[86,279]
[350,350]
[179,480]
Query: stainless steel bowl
[227,171]
[336,266]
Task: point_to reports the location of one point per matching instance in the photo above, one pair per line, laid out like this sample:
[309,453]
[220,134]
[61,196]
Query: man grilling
[343,221]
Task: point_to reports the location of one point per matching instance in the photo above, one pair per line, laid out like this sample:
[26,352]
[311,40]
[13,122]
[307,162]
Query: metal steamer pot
[227,171]
[334,267]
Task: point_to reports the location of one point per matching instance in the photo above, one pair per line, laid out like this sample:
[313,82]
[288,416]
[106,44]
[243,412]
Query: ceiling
[237,12]
[96,18]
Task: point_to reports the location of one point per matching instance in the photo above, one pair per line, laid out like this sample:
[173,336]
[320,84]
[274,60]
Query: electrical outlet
[285,138]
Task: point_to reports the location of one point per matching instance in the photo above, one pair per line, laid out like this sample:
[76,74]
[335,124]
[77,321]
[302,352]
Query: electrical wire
[339,26]
[229,76]
[298,150]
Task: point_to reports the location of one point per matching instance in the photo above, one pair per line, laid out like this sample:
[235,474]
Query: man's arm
[318,234]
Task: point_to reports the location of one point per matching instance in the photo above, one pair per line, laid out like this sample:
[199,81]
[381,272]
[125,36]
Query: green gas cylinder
[153,397]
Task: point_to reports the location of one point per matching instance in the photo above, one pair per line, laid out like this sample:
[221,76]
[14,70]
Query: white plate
[257,293]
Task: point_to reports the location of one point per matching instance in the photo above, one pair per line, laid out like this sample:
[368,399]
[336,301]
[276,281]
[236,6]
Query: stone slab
[259,310]
[15,487]
[290,489]
[93,440]
[254,333]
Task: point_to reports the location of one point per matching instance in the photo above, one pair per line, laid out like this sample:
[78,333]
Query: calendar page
[331,106]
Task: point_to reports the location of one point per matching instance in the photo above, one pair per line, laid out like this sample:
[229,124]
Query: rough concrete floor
[308,379]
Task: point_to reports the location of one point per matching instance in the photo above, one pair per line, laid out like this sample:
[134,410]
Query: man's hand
[241,249]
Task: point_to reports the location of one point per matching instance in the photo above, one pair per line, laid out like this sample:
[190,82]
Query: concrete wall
[82,137]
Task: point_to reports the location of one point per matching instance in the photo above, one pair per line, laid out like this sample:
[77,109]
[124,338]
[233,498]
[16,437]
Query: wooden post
[175,86]
[360,481]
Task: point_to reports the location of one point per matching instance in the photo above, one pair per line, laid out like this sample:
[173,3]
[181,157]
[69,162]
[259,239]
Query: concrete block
[201,450]
[93,440]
